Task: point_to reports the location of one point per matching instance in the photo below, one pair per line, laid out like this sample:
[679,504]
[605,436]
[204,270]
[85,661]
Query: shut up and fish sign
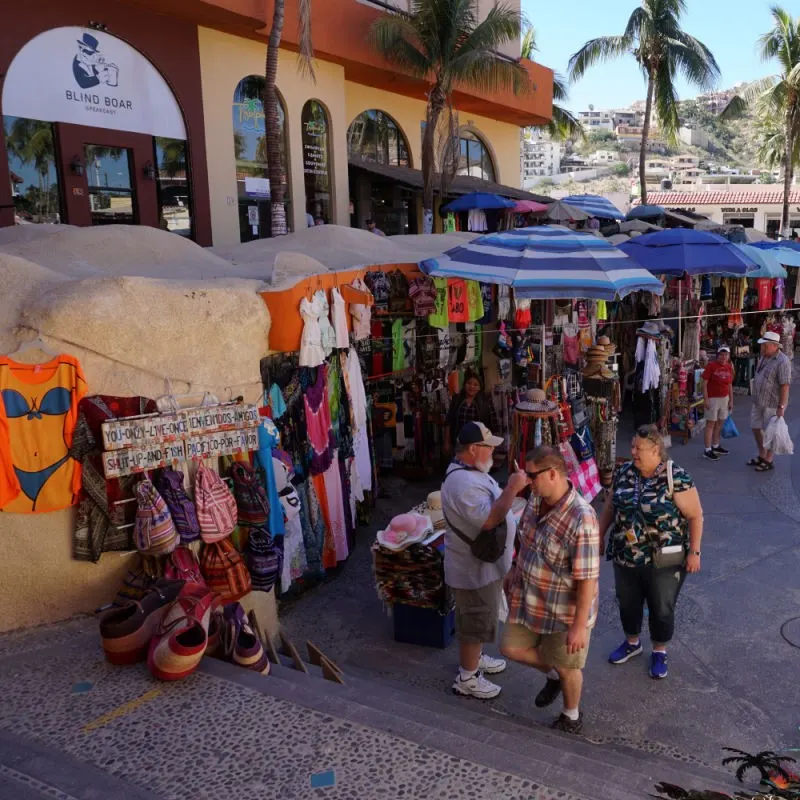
[140,444]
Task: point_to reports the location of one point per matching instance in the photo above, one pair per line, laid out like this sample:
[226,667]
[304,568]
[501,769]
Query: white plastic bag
[777,439]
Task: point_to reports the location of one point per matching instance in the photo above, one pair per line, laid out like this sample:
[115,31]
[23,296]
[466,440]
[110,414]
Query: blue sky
[729,27]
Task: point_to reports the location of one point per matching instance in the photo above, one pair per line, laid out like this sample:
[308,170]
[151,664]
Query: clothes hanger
[33,344]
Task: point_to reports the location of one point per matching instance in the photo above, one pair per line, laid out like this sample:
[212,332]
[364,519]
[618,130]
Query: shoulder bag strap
[461,535]
[670,480]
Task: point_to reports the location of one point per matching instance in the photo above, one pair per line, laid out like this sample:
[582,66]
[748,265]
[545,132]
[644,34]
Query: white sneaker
[491,666]
[476,686]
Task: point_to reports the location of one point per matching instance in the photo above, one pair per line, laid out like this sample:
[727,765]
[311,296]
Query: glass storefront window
[252,168]
[30,146]
[474,158]
[111,195]
[172,180]
[317,161]
[375,136]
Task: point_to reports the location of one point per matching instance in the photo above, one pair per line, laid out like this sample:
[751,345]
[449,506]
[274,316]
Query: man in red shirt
[718,393]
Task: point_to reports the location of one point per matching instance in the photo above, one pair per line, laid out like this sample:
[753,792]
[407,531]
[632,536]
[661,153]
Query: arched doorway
[317,165]
[252,166]
[94,134]
[374,137]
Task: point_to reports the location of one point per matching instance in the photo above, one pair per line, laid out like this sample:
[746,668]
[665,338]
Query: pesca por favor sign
[139,444]
[91,78]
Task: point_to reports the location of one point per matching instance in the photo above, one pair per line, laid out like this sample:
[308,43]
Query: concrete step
[525,749]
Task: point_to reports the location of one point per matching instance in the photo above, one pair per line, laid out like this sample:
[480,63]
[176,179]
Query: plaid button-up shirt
[556,550]
[771,374]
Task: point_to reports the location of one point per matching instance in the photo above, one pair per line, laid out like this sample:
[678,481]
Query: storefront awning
[462,184]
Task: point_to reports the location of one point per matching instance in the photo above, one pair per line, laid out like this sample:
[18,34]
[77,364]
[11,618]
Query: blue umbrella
[681,250]
[595,205]
[546,262]
[786,252]
[769,266]
[645,212]
[482,200]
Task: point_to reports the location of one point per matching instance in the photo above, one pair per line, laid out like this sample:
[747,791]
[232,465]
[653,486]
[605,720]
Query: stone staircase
[471,729]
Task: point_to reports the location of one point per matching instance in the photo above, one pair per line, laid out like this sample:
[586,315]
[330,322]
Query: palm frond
[560,91]
[596,51]
[665,102]
[501,25]
[695,60]
[565,125]
[397,40]
[528,47]
[305,56]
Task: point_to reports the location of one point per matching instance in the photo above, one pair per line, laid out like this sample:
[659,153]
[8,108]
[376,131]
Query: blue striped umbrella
[768,264]
[786,252]
[544,263]
[595,205]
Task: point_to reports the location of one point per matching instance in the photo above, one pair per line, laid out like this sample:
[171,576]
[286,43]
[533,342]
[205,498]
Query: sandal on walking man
[770,395]
[552,589]
[479,546]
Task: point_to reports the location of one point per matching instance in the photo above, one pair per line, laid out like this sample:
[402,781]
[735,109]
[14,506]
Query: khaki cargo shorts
[552,647]
[477,613]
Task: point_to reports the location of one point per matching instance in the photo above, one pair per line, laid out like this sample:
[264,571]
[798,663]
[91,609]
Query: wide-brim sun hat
[405,530]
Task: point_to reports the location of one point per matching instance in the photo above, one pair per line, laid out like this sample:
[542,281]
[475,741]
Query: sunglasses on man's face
[534,475]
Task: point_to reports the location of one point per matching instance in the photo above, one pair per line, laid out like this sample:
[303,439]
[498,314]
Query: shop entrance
[109,177]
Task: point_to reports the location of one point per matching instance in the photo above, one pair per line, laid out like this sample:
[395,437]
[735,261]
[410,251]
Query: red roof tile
[749,197]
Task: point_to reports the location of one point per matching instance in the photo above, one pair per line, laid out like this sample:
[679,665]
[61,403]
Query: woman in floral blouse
[642,515]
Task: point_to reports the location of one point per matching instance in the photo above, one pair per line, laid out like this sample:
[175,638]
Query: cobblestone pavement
[732,674]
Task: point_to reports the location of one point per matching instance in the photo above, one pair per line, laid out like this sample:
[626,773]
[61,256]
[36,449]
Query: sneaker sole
[627,658]
[710,458]
[659,677]
[461,693]
[495,670]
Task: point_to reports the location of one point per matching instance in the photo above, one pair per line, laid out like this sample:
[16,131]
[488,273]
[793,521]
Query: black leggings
[659,587]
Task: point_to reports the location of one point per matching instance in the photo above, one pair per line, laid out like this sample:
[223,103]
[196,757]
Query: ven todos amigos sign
[90,78]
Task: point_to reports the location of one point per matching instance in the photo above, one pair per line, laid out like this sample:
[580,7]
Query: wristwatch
[694,553]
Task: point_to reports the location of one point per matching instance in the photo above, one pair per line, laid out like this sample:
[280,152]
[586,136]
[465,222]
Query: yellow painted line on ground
[121,711]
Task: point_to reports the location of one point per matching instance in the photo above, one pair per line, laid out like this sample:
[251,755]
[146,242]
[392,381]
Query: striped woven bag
[154,532]
[251,497]
[216,506]
[170,485]
[224,570]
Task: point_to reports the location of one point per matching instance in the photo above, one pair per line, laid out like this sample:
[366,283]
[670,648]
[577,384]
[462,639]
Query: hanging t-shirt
[439,318]
[487,294]
[378,284]
[427,347]
[398,291]
[764,289]
[444,347]
[423,293]
[268,439]
[450,223]
[409,343]
[379,362]
[457,301]
[780,284]
[503,301]
[474,301]
[522,315]
[361,313]
[276,401]
[398,346]
[38,414]
[602,310]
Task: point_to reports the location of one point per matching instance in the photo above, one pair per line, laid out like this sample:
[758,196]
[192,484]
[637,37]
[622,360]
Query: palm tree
[272,121]
[662,49]
[444,43]
[767,763]
[772,143]
[779,95]
[31,141]
[564,124]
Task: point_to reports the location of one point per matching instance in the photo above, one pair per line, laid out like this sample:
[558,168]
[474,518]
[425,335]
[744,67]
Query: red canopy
[529,207]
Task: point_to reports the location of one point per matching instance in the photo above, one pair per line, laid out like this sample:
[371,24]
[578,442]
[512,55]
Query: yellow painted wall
[502,138]
[224,61]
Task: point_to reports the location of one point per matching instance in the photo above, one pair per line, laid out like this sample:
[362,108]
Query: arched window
[317,161]
[473,157]
[375,136]
[250,149]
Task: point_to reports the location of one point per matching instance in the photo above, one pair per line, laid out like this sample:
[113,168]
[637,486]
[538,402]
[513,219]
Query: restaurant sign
[139,444]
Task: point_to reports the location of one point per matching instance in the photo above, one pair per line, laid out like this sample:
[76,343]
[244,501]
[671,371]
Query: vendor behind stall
[471,404]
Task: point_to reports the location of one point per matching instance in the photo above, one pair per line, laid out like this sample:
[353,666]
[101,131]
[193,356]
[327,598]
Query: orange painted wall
[284,306]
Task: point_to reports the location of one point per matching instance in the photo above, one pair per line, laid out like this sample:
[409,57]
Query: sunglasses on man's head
[646,433]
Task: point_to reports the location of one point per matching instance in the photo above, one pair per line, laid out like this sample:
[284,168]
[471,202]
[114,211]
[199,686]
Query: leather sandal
[755,461]
[765,466]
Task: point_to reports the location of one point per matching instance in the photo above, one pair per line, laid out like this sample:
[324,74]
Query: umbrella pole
[680,311]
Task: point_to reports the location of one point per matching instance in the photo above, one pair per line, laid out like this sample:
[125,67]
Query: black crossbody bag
[488,545]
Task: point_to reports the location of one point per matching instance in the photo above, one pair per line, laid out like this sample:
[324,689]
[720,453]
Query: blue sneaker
[658,665]
[625,652]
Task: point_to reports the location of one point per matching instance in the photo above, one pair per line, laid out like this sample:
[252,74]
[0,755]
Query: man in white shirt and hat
[477,510]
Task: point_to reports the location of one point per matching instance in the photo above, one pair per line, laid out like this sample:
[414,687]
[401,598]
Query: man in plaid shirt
[552,587]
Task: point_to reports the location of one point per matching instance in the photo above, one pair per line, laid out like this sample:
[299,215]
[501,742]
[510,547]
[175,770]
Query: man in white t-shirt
[473,502]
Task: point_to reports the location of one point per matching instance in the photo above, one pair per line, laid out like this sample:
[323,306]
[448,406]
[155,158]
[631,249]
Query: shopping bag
[587,480]
[777,439]
[729,429]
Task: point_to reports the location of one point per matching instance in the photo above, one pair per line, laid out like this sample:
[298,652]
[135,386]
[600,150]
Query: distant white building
[604,157]
[540,157]
[695,137]
[597,120]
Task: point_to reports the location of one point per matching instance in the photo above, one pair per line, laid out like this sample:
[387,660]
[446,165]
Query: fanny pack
[488,545]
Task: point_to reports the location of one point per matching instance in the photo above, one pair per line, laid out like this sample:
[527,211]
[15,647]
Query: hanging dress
[311,352]
[269,438]
[340,320]
[358,405]
[328,335]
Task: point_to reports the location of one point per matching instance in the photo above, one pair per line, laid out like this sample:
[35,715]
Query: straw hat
[607,344]
[433,510]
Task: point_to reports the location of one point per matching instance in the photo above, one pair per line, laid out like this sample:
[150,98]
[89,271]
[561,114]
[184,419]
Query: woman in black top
[471,404]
